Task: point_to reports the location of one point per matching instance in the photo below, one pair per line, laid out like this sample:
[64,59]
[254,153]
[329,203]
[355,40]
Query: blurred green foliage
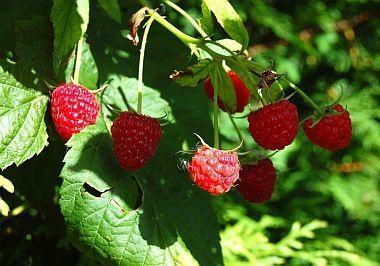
[326,209]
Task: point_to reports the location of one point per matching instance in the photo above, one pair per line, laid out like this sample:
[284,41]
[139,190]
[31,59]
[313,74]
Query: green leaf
[22,125]
[226,91]
[122,92]
[229,19]
[206,21]
[194,74]
[100,204]
[112,8]
[88,73]
[70,20]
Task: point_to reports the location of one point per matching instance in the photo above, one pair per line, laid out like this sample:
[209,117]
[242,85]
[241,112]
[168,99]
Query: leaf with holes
[22,125]
[70,20]
[101,206]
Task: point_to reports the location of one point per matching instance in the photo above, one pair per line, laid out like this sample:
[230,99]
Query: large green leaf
[70,20]
[206,20]
[22,125]
[88,72]
[112,8]
[100,203]
[229,19]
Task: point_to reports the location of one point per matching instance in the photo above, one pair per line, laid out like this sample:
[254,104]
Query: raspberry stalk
[141,65]
[304,96]
[78,59]
[216,119]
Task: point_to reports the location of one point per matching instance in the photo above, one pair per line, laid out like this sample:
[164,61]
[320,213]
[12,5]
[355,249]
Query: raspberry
[214,170]
[243,94]
[274,126]
[331,132]
[73,107]
[257,182]
[135,139]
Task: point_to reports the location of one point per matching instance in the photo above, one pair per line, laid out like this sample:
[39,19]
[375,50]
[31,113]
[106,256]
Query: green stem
[78,59]
[186,39]
[304,96]
[216,118]
[236,127]
[188,17]
[141,65]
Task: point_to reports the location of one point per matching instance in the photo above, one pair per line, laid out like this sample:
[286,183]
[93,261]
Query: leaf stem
[141,65]
[186,39]
[304,96]
[78,59]
[216,118]
[187,16]
[236,127]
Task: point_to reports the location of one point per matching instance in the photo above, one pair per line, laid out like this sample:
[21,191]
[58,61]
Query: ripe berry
[135,139]
[73,107]
[331,132]
[257,182]
[242,92]
[274,126]
[214,170]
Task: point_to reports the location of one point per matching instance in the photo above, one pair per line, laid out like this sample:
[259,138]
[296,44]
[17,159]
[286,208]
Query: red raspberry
[243,94]
[72,107]
[135,139]
[331,132]
[256,182]
[214,170]
[274,126]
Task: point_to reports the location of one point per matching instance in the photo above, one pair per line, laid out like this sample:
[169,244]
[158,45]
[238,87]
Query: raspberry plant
[123,198]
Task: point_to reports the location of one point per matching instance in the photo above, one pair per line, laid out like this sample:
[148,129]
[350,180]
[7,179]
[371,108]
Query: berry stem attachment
[186,39]
[188,17]
[236,127]
[216,119]
[78,59]
[307,99]
[141,65]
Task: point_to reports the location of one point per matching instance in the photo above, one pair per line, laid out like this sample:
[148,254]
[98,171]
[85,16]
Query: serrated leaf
[206,20]
[70,20]
[229,19]
[22,125]
[194,74]
[109,226]
[112,8]
[88,72]
[221,80]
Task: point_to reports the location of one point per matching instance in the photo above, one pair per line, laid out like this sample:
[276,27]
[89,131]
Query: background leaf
[70,20]
[22,121]
[112,8]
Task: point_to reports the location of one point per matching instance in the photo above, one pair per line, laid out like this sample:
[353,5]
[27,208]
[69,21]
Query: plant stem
[78,59]
[188,17]
[186,39]
[216,118]
[304,96]
[141,65]
[236,127]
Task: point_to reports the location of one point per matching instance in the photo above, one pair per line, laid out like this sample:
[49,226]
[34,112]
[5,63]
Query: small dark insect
[268,77]
[161,9]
